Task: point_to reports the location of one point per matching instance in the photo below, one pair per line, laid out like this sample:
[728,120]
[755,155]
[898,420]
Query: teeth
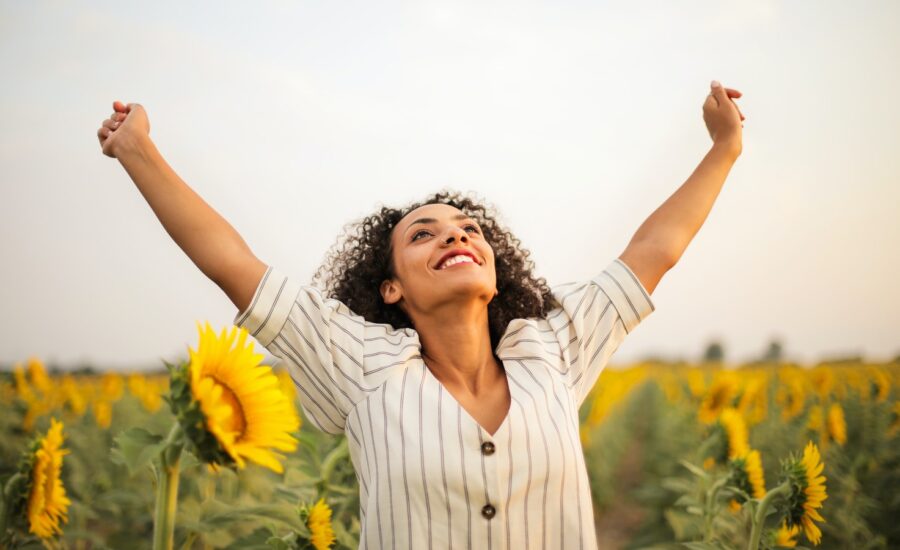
[457,259]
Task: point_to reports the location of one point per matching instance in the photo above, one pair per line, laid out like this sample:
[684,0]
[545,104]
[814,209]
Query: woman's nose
[457,232]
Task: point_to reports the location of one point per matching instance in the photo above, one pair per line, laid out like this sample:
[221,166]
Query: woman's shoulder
[379,334]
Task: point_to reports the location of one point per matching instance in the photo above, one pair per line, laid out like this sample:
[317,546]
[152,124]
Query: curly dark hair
[362,258]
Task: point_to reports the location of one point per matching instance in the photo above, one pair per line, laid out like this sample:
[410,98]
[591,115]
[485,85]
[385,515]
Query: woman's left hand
[722,116]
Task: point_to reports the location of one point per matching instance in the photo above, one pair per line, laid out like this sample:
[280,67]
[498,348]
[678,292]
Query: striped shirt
[429,475]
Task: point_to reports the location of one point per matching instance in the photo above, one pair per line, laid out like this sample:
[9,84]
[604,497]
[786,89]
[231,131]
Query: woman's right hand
[123,129]
[723,118]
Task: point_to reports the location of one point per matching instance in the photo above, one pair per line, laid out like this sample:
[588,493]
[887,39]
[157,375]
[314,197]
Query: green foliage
[135,448]
[645,461]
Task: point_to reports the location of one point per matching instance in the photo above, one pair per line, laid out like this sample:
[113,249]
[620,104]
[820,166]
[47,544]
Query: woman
[456,374]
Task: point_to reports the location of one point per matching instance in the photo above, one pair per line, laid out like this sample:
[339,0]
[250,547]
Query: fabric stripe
[422,455]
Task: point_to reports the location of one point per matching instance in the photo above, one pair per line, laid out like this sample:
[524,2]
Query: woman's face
[423,280]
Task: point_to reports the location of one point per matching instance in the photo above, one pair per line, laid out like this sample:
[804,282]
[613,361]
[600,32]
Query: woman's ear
[390,292]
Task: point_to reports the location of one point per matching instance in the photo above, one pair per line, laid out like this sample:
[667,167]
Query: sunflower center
[718,399]
[236,422]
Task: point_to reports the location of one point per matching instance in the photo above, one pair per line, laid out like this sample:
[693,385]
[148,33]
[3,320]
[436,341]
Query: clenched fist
[722,116]
[123,129]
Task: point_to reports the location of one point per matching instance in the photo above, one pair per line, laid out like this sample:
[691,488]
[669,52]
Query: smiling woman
[457,384]
[364,257]
[456,372]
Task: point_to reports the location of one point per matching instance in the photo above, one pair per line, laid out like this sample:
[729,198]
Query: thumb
[719,92]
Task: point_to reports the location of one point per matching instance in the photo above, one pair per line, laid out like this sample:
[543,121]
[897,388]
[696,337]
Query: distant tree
[774,353]
[715,352]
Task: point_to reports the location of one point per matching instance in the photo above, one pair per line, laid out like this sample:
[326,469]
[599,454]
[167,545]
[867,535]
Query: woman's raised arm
[206,237]
[660,241]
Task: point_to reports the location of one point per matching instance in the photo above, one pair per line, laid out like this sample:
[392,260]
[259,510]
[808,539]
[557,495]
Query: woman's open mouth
[459,259]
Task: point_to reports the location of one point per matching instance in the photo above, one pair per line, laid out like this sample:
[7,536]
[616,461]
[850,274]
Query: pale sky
[576,119]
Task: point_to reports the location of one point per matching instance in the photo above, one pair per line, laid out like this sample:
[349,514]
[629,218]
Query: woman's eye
[417,233]
[473,227]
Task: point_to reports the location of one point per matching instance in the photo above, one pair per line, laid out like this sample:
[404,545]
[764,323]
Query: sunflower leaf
[697,471]
[135,448]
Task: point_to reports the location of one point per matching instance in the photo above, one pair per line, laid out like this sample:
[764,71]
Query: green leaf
[685,501]
[696,470]
[683,525]
[702,546]
[257,540]
[339,453]
[344,537]
[189,460]
[216,514]
[288,542]
[678,484]
[135,448]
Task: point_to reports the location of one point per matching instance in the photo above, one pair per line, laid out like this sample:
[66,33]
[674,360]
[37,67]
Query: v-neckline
[465,411]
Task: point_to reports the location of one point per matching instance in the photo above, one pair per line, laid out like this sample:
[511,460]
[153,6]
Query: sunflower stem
[760,517]
[168,467]
[710,508]
[6,503]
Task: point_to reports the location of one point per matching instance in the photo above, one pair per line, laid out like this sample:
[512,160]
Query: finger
[111,124]
[733,93]
[711,101]
[118,106]
[738,109]
[103,133]
[719,92]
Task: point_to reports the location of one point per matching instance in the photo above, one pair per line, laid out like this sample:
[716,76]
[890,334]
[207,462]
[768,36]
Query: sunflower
[837,426]
[47,504]
[38,375]
[720,395]
[784,537]
[822,379]
[807,492]
[319,523]
[23,388]
[880,384]
[733,423]
[747,475]
[754,402]
[231,407]
[791,394]
[102,410]
[895,419]
[74,397]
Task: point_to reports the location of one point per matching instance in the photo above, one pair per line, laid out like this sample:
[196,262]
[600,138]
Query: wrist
[134,148]
[729,147]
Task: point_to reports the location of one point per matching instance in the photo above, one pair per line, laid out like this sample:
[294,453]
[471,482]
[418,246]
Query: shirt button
[487,448]
[488,511]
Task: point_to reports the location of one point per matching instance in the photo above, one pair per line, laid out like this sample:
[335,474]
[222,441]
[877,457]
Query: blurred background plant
[645,445]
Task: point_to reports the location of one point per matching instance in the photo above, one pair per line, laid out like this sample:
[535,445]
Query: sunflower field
[763,455]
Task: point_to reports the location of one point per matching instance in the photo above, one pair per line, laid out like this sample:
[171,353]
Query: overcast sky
[576,119]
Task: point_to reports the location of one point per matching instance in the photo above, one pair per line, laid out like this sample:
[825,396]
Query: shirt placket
[491,507]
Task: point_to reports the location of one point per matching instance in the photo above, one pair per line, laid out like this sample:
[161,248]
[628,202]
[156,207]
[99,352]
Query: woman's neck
[456,347]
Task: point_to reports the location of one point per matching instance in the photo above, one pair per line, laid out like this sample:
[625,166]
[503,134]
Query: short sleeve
[595,317]
[335,357]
